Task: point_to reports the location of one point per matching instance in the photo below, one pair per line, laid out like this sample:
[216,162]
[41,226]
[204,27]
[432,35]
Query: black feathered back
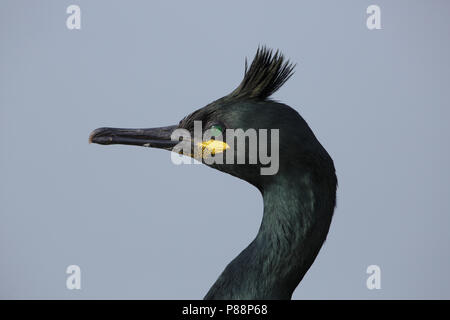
[267,73]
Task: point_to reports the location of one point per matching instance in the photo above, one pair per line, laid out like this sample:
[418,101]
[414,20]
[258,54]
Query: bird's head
[244,133]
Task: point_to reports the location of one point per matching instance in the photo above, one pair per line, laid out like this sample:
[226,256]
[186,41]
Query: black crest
[267,73]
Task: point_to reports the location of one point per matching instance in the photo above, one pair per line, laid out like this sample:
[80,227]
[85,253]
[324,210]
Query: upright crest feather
[267,73]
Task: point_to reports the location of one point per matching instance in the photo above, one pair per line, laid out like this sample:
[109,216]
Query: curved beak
[152,137]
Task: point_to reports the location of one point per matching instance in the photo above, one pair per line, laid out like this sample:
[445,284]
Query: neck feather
[294,226]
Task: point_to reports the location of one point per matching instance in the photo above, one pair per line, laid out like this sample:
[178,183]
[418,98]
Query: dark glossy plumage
[298,201]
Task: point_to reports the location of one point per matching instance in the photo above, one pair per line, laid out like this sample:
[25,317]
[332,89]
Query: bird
[299,199]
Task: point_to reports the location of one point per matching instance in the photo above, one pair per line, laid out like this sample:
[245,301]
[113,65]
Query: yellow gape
[211,147]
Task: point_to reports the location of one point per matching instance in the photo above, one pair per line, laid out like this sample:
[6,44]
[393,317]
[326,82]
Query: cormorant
[299,199]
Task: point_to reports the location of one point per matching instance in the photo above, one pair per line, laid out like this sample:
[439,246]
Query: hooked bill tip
[96,136]
[92,135]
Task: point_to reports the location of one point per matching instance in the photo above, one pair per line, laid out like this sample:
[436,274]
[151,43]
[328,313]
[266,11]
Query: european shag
[299,199]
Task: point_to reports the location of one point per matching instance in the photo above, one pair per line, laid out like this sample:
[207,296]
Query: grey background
[141,227]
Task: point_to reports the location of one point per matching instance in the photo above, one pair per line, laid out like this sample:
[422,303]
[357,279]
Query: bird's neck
[294,226]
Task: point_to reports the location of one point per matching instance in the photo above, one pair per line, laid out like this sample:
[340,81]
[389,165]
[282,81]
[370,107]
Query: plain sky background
[141,227]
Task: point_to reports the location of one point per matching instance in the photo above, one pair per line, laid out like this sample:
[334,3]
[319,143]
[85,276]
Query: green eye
[216,130]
